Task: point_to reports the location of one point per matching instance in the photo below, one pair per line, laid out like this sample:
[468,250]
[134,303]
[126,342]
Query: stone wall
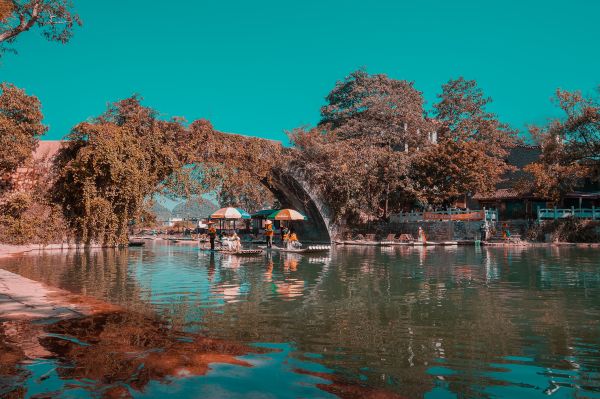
[434,230]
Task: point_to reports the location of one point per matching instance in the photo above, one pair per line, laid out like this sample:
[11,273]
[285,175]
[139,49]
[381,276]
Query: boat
[307,250]
[242,252]
[183,240]
[136,242]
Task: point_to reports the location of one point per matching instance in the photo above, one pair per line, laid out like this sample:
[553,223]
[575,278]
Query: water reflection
[423,322]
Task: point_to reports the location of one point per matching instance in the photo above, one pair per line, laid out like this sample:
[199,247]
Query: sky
[263,67]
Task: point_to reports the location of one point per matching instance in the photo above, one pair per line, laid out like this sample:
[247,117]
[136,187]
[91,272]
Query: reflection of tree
[397,313]
[11,375]
[123,350]
[101,273]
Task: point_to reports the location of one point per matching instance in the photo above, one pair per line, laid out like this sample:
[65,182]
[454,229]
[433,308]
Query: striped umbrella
[231,214]
[286,214]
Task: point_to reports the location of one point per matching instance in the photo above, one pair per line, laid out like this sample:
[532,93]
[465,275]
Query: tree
[450,169]
[570,146]
[55,18]
[463,116]
[358,157]
[20,127]
[387,112]
[108,168]
[470,156]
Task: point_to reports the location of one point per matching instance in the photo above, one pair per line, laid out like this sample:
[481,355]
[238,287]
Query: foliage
[570,146]
[384,111]
[356,180]
[463,116]
[55,18]
[108,168]
[20,127]
[451,169]
[566,230]
[238,168]
[373,153]
[29,218]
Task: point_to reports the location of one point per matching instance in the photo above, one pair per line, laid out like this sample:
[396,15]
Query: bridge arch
[267,161]
[293,192]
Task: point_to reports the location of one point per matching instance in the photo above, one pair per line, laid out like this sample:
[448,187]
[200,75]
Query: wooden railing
[450,215]
[578,213]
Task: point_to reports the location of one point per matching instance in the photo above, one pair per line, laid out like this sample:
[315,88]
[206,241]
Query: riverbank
[7,250]
[25,299]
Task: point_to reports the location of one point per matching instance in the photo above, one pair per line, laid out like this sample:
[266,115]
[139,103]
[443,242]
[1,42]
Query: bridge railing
[449,215]
[562,213]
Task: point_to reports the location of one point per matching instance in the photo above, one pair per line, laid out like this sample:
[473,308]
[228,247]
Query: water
[385,322]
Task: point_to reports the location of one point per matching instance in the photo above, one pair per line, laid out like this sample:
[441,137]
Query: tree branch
[24,24]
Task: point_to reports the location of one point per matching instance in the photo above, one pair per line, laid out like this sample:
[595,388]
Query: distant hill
[194,208]
[161,212]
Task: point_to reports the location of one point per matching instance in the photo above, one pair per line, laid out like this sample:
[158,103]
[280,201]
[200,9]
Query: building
[513,200]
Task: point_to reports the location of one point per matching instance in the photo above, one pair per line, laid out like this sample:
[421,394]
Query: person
[286,237]
[236,243]
[505,232]
[484,230]
[284,231]
[269,233]
[212,235]
[421,234]
[293,240]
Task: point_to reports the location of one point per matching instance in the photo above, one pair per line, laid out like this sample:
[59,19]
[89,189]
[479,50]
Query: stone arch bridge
[263,159]
[288,187]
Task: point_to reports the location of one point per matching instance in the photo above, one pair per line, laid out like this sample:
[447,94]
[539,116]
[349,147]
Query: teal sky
[262,67]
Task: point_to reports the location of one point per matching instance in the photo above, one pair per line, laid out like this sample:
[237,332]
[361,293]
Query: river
[395,322]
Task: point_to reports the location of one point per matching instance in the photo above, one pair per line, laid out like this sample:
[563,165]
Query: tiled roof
[499,194]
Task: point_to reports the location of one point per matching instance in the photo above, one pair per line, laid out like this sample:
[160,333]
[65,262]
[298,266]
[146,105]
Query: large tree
[463,115]
[107,169]
[54,18]
[473,143]
[359,154]
[377,108]
[20,127]
[570,146]
[449,170]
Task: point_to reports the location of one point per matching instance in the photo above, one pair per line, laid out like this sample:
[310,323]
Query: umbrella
[286,214]
[230,213]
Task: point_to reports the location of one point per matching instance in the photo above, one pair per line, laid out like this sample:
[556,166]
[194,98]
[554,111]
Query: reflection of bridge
[287,186]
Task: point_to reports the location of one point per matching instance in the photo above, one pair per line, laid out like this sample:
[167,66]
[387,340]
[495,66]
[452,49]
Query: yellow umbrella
[286,214]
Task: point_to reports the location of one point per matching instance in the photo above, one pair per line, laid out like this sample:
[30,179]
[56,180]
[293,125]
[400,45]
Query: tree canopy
[570,146]
[20,127]
[55,19]
[108,168]
[376,150]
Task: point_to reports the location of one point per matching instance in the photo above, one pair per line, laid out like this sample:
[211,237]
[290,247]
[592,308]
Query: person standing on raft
[269,233]
[212,234]
[421,233]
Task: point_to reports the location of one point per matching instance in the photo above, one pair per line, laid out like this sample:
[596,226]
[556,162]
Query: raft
[434,243]
[243,252]
[308,250]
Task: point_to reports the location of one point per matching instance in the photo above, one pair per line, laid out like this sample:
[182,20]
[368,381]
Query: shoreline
[8,250]
[24,299]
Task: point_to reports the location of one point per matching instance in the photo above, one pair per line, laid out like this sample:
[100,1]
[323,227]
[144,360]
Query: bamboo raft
[243,252]
[308,250]
[398,243]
